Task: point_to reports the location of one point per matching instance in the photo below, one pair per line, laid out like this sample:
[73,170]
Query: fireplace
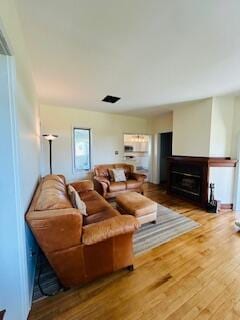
[188,176]
[186,180]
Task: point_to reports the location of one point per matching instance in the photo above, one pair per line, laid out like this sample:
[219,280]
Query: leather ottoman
[144,209]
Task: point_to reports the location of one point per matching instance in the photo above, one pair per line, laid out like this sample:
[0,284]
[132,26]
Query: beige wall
[162,123]
[221,126]
[191,129]
[107,136]
[204,128]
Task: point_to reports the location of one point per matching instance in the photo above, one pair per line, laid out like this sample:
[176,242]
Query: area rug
[169,225]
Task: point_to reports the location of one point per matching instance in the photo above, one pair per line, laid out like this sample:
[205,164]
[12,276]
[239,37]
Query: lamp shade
[50,136]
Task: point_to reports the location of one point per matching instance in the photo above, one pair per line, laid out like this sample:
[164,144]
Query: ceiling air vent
[4,49]
[110,99]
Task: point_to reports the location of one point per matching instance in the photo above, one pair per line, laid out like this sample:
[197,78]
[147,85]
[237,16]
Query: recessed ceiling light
[111,99]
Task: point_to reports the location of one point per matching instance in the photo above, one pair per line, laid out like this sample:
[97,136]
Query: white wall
[27,154]
[221,126]
[107,136]
[235,151]
[223,178]
[191,129]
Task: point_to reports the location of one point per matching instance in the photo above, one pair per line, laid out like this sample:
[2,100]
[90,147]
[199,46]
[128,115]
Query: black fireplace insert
[186,180]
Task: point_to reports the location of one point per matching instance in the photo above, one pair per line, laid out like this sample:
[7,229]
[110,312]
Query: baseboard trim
[226,206]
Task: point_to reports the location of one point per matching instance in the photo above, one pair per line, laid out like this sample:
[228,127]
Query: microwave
[128,148]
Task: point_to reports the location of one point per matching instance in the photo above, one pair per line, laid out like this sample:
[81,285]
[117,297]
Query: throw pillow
[76,200]
[111,175]
[119,175]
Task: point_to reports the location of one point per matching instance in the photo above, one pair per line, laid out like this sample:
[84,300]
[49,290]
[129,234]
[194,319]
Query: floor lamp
[50,138]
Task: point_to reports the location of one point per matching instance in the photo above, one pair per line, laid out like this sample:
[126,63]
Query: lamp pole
[50,138]
[50,156]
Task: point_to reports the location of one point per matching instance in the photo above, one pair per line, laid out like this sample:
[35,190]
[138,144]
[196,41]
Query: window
[82,147]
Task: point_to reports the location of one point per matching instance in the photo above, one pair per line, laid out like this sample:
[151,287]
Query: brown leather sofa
[110,189]
[80,248]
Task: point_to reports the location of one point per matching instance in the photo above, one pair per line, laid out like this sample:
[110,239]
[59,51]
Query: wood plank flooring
[196,276]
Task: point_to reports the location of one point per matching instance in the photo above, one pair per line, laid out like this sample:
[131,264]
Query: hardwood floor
[195,276]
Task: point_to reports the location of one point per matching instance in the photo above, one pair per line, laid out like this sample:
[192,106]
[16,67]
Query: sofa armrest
[138,176]
[56,229]
[83,185]
[102,180]
[100,231]
[101,185]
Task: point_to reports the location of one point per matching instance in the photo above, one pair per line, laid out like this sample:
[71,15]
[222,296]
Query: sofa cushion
[104,214]
[94,202]
[117,186]
[133,184]
[90,195]
[95,206]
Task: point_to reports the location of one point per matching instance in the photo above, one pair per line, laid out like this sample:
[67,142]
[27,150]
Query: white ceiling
[148,52]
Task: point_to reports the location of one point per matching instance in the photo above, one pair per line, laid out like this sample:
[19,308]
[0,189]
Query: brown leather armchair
[80,248]
[110,189]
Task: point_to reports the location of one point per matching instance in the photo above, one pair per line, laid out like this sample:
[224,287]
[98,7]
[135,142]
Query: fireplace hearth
[188,176]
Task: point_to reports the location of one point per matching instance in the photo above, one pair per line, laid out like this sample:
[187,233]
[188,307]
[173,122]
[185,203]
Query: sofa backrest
[102,170]
[51,194]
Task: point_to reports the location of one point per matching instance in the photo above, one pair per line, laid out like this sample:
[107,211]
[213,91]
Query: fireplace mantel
[188,177]
[209,161]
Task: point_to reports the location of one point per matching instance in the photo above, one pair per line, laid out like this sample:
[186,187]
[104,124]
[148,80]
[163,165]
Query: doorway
[137,152]
[165,140]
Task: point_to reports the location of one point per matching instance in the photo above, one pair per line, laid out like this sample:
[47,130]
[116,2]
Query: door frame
[236,192]
[150,160]
[158,155]
[159,160]
[24,303]
[21,236]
